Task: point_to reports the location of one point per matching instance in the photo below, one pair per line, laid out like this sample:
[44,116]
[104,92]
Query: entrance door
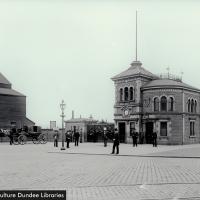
[149,132]
[122,131]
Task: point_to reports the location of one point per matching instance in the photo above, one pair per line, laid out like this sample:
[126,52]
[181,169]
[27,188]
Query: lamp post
[62,107]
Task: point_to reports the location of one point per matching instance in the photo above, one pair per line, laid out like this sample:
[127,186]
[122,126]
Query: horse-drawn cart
[21,136]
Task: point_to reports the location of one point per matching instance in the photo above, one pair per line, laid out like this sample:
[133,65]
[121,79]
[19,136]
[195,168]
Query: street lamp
[62,107]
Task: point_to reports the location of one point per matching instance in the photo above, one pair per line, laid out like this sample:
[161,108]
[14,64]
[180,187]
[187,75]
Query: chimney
[72,114]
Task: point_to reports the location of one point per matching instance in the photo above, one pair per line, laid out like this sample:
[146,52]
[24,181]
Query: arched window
[171,104]
[189,105]
[126,94]
[195,106]
[131,93]
[121,94]
[163,104]
[134,93]
[156,104]
[192,105]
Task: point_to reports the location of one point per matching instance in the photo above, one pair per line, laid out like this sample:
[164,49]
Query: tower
[128,97]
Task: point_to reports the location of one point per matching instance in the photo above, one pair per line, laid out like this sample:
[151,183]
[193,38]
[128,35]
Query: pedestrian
[154,138]
[105,138]
[141,137]
[115,142]
[76,137]
[55,140]
[68,138]
[12,133]
[135,137]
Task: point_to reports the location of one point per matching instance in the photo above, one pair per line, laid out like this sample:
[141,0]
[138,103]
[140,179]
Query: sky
[54,50]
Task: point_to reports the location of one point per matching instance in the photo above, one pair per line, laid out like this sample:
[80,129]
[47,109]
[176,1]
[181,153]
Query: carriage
[21,136]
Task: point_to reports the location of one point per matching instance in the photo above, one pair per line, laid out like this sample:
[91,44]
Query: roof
[28,121]
[4,80]
[135,70]
[11,92]
[167,83]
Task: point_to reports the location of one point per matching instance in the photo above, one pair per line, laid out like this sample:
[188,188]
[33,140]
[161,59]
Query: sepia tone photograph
[99,100]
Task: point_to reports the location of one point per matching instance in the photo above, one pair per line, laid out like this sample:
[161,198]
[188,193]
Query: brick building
[12,106]
[164,104]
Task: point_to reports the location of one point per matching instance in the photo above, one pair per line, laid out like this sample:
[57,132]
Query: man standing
[68,138]
[115,142]
[154,138]
[105,137]
[12,133]
[135,137]
[76,137]
[55,140]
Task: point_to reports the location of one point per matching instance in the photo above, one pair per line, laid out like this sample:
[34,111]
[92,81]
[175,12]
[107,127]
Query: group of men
[135,135]
[68,138]
[116,139]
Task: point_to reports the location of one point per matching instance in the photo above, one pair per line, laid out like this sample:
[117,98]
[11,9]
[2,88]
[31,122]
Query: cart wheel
[35,141]
[22,139]
[15,141]
[42,138]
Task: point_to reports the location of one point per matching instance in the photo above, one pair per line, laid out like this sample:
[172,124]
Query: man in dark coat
[68,138]
[115,142]
[154,138]
[76,137]
[135,138]
[13,131]
[55,137]
[105,137]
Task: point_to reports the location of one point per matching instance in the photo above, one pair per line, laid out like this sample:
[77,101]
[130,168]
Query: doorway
[149,132]
[122,131]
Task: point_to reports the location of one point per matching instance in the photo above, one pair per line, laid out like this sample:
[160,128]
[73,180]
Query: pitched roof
[135,70]
[4,80]
[10,92]
[167,83]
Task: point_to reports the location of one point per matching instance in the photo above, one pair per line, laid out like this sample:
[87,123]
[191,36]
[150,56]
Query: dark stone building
[12,106]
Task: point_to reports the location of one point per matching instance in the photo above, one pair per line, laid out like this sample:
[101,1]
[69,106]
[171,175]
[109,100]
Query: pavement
[90,172]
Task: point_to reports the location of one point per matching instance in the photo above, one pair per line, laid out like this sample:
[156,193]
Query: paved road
[90,172]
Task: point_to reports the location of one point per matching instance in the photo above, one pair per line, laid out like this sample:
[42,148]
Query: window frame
[161,104]
[126,94]
[166,129]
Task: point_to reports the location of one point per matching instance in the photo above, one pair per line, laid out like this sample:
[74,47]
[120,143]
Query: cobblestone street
[91,172]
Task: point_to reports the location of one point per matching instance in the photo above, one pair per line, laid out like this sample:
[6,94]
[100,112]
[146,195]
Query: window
[195,106]
[156,104]
[134,93]
[192,133]
[189,105]
[131,93]
[163,128]
[121,94]
[192,106]
[126,94]
[163,104]
[171,104]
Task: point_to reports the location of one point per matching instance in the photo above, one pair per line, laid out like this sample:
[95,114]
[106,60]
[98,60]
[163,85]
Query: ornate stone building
[148,103]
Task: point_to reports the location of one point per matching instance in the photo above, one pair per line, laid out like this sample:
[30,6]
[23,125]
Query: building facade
[12,106]
[149,103]
[90,130]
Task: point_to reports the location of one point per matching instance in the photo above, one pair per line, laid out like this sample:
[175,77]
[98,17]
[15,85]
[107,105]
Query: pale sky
[56,49]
